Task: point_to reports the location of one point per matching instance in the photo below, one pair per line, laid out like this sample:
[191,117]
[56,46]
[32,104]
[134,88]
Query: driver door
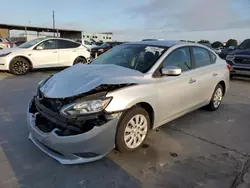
[175,93]
[45,54]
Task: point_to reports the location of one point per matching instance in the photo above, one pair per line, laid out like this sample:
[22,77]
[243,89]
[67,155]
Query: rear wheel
[132,130]
[19,66]
[80,60]
[216,98]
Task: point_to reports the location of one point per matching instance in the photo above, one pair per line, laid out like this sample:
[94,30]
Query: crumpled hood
[82,78]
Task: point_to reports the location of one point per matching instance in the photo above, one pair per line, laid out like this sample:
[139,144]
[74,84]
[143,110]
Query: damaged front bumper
[61,142]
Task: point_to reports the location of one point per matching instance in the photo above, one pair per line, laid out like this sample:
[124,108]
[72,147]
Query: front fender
[127,97]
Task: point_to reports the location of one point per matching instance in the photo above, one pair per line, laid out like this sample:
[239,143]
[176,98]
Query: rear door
[206,74]
[45,54]
[67,52]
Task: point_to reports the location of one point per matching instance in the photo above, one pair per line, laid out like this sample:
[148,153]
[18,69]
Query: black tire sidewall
[125,118]
[81,59]
[211,105]
[13,61]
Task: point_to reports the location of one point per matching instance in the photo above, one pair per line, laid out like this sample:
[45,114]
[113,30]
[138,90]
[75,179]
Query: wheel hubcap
[135,131]
[20,67]
[217,97]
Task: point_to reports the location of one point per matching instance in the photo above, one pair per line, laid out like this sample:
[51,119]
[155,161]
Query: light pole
[54,22]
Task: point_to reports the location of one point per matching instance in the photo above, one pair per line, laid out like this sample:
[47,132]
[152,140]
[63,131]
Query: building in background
[105,37]
[31,32]
[4,32]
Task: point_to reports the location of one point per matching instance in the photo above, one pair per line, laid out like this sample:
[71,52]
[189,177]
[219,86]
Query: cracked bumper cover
[100,140]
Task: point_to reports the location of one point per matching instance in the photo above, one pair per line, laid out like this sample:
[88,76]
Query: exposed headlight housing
[2,55]
[83,107]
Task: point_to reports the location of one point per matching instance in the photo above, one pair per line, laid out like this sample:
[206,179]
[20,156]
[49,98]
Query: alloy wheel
[217,97]
[135,131]
[20,67]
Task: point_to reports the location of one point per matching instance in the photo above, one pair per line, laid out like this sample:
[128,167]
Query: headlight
[85,107]
[2,55]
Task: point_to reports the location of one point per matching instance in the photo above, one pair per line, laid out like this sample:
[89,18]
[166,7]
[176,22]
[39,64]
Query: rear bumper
[73,149]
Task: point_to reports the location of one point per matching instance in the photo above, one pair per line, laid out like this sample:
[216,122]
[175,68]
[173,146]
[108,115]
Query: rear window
[201,57]
[62,44]
[212,57]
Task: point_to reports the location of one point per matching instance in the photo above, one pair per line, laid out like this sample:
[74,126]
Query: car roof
[163,43]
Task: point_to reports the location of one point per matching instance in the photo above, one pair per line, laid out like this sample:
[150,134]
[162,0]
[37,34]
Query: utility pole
[54,21]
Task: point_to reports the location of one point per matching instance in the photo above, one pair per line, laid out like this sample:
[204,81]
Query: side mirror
[39,48]
[171,71]
[232,47]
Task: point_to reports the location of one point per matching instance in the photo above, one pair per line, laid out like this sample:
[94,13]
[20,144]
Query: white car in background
[42,53]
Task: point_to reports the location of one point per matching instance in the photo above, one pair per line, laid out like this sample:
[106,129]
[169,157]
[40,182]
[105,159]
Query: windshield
[245,44]
[30,43]
[138,57]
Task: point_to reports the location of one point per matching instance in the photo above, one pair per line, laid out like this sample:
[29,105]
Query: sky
[137,19]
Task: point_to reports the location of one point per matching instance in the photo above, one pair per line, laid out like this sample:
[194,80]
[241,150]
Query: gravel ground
[200,149]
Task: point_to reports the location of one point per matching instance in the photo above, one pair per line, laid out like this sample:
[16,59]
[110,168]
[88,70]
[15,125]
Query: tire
[133,132]
[216,99]
[80,60]
[19,66]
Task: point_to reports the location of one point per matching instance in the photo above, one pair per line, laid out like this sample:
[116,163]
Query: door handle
[55,52]
[74,51]
[215,74]
[192,80]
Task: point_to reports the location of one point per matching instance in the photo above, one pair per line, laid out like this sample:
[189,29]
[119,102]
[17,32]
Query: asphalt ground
[201,149]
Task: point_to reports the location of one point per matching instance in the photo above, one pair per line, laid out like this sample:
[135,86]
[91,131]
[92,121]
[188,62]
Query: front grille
[245,61]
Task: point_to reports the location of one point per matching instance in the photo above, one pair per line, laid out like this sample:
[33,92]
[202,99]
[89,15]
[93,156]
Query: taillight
[228,67]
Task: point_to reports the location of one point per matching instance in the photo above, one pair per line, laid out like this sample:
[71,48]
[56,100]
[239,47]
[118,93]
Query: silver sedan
[82,113]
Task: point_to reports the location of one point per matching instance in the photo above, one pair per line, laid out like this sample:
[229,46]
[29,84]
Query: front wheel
[216,98]
[132,130]
[19,66]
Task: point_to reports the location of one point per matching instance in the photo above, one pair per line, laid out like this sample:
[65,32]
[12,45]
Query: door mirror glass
[171,71]
[39,48]
[231,47]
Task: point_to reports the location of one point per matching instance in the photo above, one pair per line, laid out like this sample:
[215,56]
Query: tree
[231,42]
[217,44]
[204,42]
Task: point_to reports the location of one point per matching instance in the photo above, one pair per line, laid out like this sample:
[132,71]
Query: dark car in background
[96,51]
[18,43]
[239,59]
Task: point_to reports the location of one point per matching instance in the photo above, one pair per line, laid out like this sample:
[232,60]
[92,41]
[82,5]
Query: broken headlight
[85,107]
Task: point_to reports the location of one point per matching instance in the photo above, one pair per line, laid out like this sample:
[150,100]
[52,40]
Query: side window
[47,45]
[63,44]
[212,57]
[179,58]
[201,57]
